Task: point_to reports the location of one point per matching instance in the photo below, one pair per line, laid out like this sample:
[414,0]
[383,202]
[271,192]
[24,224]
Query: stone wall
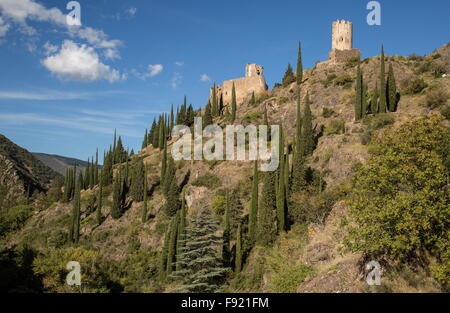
[341,56]
[254,81]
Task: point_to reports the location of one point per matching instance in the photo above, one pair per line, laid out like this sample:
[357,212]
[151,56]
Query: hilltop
[60,163]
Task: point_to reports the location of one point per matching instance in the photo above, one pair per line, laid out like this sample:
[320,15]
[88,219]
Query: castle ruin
[254,81]
[342,42]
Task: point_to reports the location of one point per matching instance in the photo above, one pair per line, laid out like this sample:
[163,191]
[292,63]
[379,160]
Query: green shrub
[252,117]
[208,180]
[436,98]
[344,80]
[289,277]
[326,112]
[335,126]
[329,80]
[378,121]
[399,209]
[352,62]
[415,86]
[14,218]
[446,112]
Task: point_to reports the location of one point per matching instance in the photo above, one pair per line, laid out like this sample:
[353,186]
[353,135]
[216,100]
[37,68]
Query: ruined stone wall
[254,81]
[341,56]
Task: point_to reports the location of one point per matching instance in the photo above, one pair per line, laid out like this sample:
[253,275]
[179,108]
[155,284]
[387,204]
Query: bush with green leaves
[335,126]
[344,80]
[399,207]
[208,180]
[14,218]
[415,86]
[436,98]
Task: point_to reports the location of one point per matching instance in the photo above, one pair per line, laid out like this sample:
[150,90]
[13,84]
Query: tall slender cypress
[281,190]
[171,252]
[391,90]
[144,207]
[358,95]
[299,65]
[267,215]
[253,218]
[226,253]
[239,250]
[233,104]
[100,201]
[383,101]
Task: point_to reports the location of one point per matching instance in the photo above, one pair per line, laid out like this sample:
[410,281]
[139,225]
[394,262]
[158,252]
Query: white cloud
[20,11]
[79,63]
[179,63]
[205,78]
[49,48]
[4,27]
[111,54]
[47,95]
[131,11]
[155,69]
[176,80]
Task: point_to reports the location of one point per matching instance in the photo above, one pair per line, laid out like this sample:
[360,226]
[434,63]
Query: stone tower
[342,35]
[342,42]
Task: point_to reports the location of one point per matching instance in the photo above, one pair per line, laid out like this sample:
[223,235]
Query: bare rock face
[194,196]
[10,180]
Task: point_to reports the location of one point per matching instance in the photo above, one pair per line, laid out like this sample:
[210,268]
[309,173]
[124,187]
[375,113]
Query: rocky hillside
[311,253]
[21,172]
[60,163]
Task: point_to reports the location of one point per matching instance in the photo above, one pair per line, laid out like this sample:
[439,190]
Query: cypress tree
[169,176]
[307,132]
[144,207]
[299,65]
[226,253]
[163,167]
[267,216]
[253,216]
[100,201]
[145,141]
[190,115]
[171,252]
[76,211]
[207,118]
[364,104]
[96,181]
[155,138]
[181,232]
[391,90]
[172,120]
[358,97]
[117,197]
[163,256]
[162,134]
[114,161]
[91,175]
[233,104]
[281,190]
[172,200]
[253,100]
[382,104]
[137,186]
[298,166]
[214,101]
[85,180]
[239,250]
[374,108]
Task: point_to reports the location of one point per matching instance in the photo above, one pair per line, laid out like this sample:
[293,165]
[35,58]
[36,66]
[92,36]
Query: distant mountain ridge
[60,163]
[21,172]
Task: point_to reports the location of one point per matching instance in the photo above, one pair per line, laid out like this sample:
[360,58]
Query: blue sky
[64,89]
